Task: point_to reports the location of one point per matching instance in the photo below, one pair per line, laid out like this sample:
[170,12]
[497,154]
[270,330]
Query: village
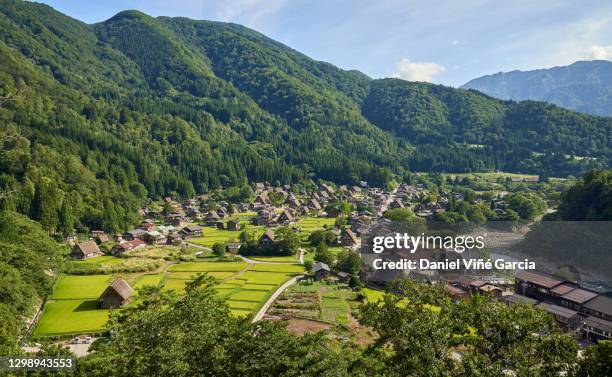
[285,253]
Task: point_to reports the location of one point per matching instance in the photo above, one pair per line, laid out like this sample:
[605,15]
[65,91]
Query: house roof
[192,228]
[135,232]
[270,234]
[321,266]
[558,310]
[579,295]
[343,274]
[538,279]
[350,233]
[88,247]
[562,289]
[131,244]
[121,287]
[602,304]
[598,323]
[514,298]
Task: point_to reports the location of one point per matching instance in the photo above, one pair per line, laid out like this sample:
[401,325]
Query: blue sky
[442,41]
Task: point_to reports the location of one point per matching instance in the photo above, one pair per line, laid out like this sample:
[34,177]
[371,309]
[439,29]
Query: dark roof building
[567,317]
[117,294]
[576,297]
[600,306]
[597,329]
[84,250]
[321,270]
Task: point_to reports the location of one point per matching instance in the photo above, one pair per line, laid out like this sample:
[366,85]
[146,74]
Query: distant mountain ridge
[100,117]
[584,86]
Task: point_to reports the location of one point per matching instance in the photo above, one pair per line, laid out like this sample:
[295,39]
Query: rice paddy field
[213,235]
[72,308]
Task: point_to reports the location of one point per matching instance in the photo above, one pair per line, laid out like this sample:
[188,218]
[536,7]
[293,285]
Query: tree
[597,360]
[527,205]
[245,237]
[219,249]
[349,262]
[400,214]
[322,254]
[287,241]
[66,219]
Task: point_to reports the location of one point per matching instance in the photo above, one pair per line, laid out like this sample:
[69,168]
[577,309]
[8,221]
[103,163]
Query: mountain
[98,118]
[584,86]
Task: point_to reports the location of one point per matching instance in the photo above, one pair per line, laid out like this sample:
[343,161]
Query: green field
[214,235]
[209,266]
[70,287]
[278,268]
[71,317]
[373,295]
[310,224]
[150,279]
[73,305]
[254,277]
[102,259]
[264,258]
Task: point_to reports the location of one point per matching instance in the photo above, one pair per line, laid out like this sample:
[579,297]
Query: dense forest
[98,118]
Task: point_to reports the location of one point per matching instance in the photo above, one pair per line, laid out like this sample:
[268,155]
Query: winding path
[262,311]
[260,314]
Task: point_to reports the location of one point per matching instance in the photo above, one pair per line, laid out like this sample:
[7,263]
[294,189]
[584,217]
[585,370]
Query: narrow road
[260,314]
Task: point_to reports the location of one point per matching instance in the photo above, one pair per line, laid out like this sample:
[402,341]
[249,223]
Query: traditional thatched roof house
[100,237]
[233,225]
[314,204]
[84,250]
[192,231]
[267,239]
[348,238]
[321,271]
[117,294]
[285,217]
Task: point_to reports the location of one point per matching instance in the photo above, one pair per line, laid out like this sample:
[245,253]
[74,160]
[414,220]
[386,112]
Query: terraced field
[73,306]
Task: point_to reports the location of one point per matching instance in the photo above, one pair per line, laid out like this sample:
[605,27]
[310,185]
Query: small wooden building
[84,250]
[117,294]
[321,271]
[233,225]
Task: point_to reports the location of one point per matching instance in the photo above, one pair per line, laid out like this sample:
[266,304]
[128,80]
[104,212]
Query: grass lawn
[253,296]
[286,258]
[373,295]
[74,287]
[209,266]
[219,275]
[71,317]
[292,268]
[254,277]
[334,309]
[260,287]
[243,305]
[240,313]
[151,279]
[214,235]
[308,225]
[102,259]
[177,285]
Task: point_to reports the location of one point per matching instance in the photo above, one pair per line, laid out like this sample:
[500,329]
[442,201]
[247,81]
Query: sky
[441,41]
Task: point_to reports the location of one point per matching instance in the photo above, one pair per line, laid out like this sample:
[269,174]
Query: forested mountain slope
[97,118]
[583,86]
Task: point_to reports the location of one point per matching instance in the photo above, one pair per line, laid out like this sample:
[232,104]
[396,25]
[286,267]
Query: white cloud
[417,71]
[455,42]
[600,52]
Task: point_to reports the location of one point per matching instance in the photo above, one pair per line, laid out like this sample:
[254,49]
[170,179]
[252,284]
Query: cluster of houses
[576,309]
